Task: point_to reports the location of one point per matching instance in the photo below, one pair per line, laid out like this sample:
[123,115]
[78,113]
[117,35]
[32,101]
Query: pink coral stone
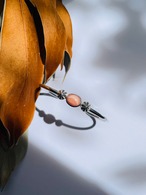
[73,100]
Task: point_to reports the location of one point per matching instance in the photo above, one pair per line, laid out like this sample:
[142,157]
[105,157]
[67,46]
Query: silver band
[85,106]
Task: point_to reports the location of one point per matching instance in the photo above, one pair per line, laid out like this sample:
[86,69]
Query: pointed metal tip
[103,118]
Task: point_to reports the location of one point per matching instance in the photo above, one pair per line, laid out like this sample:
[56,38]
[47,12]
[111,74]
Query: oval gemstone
[73,100]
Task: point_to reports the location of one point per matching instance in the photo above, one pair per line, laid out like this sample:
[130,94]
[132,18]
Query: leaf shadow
[132,175]
[127,48]
[42,175]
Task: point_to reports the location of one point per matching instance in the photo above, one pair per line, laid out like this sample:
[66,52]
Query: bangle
[73,100]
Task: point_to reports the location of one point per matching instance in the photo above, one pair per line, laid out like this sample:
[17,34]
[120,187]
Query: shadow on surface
[130,45]
[133,175]
[41,175]
[10,157]
[49,119]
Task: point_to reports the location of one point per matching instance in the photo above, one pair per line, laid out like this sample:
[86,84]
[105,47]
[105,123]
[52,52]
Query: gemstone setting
[73,100]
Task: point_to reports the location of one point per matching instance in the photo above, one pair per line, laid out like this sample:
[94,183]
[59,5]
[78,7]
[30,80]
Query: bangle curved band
[85,106]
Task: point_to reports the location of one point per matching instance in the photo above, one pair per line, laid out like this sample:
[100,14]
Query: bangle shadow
[49,119]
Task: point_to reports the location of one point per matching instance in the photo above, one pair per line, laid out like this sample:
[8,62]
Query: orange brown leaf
[21,70]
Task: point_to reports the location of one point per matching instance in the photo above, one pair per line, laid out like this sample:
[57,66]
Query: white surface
[108,70]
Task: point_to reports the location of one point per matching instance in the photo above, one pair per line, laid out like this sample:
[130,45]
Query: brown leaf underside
[54,32]
[21,68]
[65,17]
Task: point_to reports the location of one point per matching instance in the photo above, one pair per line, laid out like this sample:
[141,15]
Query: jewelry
[73,100]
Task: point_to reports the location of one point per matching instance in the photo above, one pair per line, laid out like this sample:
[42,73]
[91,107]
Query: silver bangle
[73,100]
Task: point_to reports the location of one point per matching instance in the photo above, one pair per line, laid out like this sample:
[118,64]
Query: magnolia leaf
[9,159]
[33,33]
[21,69]
[54,33]
[1,10]
[1,5]
[65,17]
[66,62]
[35,37]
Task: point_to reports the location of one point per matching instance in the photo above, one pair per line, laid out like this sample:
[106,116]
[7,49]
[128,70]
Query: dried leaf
[1,5]
[65,17]
[33,33]
[54,33]
[9,159]
[21,69]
